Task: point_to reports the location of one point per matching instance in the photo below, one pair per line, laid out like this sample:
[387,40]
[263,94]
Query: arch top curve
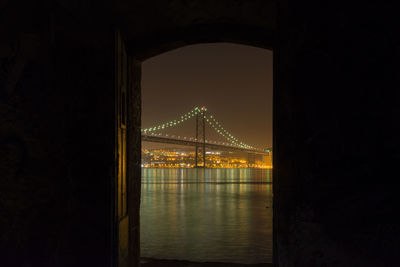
[156,43]
[154,27]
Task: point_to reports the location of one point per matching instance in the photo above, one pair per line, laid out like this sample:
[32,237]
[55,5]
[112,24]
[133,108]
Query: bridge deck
[165,140]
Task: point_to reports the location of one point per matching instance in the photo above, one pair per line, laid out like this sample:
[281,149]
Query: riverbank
[147,262]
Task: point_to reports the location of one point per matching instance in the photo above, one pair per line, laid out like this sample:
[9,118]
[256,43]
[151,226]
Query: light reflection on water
[222,215]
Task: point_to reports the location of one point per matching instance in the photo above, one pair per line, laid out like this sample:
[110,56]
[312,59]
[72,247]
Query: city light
[175,158]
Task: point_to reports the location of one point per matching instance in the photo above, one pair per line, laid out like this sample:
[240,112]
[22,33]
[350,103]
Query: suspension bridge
[202,118]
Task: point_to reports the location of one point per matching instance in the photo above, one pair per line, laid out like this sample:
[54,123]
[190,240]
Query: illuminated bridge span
[231,143]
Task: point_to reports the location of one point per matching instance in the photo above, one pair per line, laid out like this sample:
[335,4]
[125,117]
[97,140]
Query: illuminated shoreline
[173,159]
[201,167]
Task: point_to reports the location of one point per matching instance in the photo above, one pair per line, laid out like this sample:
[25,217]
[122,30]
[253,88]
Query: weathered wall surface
[56,136]
[134,160]
[336,104]
[155,26]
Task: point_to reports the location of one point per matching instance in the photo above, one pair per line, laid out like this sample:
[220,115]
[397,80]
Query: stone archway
[157,44]
[336,104]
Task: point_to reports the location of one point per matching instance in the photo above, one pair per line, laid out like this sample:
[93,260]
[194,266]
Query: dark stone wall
[336,105]
[155,26]
[56,137]
[134,159]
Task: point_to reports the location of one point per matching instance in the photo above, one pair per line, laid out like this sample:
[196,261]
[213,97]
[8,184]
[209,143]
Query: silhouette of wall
[335,103]
[56,136]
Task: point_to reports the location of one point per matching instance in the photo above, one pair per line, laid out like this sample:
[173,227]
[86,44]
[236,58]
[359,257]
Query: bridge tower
[200,137]
[251,158]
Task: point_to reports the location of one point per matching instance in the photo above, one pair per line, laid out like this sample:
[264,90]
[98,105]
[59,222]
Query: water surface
[221,215]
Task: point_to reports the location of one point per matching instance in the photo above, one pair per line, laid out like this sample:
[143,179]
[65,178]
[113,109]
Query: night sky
[233,81]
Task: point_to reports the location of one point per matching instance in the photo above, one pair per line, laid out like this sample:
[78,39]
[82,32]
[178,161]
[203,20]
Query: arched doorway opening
[149,47]
[222,212]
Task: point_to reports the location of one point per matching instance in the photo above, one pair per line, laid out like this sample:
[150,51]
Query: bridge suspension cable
[173,123]
[211,120]
[224,133]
